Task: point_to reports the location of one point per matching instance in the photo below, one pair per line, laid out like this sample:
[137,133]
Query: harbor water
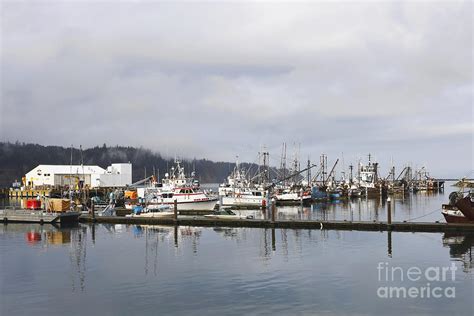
[152,270]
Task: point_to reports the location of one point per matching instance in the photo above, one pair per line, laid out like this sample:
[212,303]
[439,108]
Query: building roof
[68,169]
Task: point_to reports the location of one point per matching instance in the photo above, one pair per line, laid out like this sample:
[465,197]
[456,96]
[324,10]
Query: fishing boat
[227,215]
[354,191]
[460,208]
[239,192]
[186,197]
[318,193]
[292,197]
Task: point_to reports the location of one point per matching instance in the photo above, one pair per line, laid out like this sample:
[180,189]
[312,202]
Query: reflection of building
[59,237]
[116,175]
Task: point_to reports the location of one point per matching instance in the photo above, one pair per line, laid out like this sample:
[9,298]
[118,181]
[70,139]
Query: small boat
[289,197]
[460,208]
[155,211]
[242,198]
[226,214]
[187,199]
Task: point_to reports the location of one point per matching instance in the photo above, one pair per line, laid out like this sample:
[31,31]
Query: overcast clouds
[216,80]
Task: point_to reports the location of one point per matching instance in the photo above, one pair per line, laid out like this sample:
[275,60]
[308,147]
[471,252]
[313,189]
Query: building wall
[116,175]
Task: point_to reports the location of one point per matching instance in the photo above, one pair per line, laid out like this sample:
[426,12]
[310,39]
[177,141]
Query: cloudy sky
[215,80]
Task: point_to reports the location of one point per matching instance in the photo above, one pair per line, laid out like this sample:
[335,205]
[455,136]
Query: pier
[291,224]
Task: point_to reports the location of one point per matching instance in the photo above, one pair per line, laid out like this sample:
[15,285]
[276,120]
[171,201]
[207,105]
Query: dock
[287,224]
[39,217]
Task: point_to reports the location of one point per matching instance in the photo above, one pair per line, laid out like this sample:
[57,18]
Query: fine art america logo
[433,281]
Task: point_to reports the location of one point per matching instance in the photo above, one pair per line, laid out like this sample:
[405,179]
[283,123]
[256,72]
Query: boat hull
[293,201]
[242,201]
[465,206]
[207,205]
[455,217]
[154,215]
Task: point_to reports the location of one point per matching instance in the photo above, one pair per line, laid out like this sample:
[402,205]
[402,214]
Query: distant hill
[16,159]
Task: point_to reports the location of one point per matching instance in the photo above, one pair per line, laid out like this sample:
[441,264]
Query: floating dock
[291,224]
[39,217]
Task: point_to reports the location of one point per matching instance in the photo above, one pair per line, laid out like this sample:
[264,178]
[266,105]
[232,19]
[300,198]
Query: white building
[116,175]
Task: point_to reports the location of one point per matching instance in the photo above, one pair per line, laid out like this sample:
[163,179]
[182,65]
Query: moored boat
[460,208]
[187,199]
[290,197]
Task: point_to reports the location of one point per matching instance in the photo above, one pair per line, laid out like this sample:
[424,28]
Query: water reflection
[150,250]
[460,248]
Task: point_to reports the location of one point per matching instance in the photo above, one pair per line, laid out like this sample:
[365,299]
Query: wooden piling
[389,212]
[273,211]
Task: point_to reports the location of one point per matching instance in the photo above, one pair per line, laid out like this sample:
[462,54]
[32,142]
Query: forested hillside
[18,158]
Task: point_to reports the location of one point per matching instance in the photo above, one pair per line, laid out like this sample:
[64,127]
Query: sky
[216,80]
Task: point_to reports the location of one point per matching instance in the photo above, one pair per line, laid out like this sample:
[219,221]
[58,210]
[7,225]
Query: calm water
[124,270]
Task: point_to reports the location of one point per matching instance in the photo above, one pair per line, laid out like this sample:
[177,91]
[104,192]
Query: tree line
[16,159]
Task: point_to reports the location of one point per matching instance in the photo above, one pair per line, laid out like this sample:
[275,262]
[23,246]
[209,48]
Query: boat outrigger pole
[330,173]
[273,184]
[135,184]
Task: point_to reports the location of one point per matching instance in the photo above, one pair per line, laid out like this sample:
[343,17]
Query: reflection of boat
[226,214]
[459,243]
[460,247]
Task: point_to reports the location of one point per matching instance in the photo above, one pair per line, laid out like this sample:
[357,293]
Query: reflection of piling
[389,244]
[273,239]
[93,233]
[176,235]
[175,209]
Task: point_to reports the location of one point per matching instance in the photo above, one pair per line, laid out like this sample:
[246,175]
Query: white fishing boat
[239,192]
[186,197]
[289,197]
[227,214]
